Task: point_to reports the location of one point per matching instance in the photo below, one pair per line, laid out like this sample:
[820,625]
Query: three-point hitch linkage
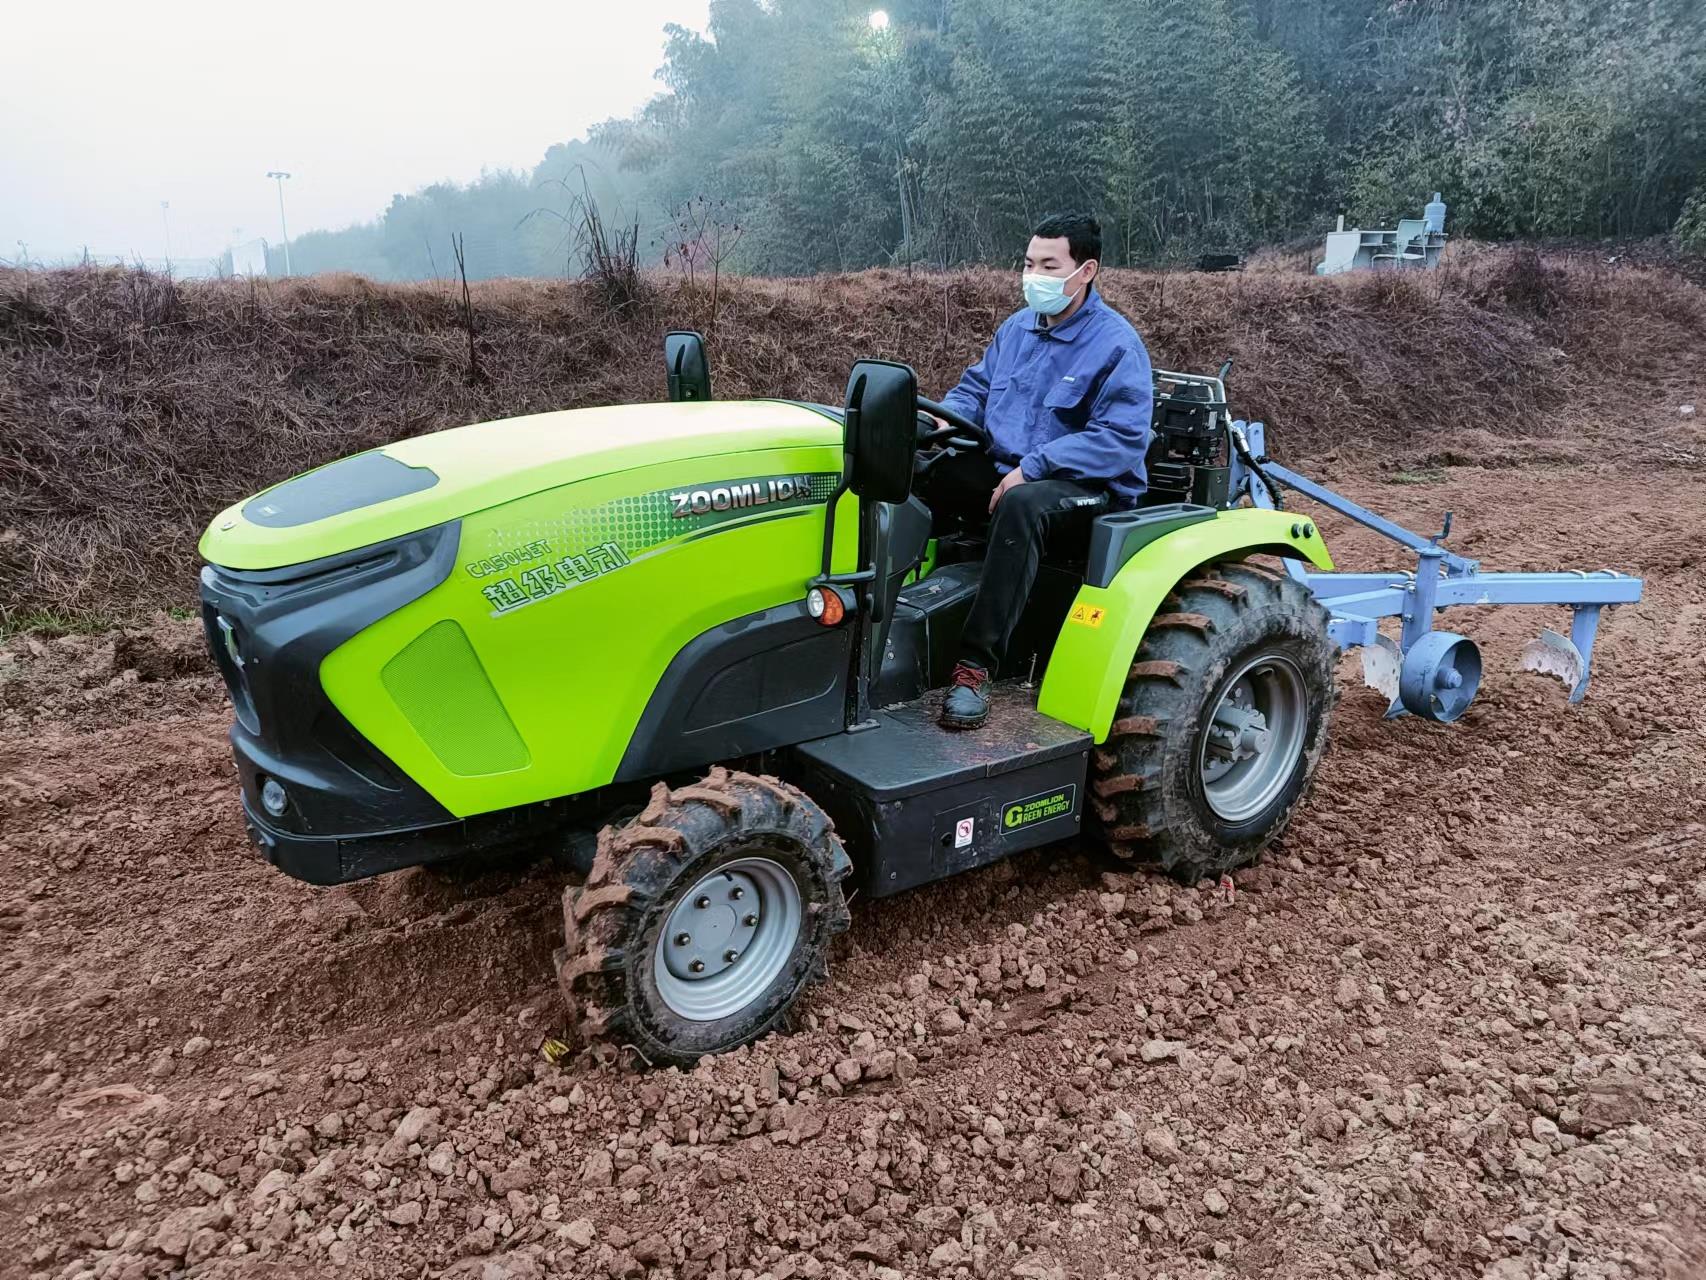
[1433,673]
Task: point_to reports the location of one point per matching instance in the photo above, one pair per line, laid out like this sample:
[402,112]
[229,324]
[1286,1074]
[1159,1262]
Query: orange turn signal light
[826,606]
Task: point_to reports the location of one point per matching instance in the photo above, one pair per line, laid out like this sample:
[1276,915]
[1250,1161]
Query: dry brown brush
[134,407]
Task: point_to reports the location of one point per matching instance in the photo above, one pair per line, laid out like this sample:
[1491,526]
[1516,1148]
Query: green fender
[1092,657]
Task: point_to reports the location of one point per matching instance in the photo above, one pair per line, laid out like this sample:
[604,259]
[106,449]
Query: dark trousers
[1031,517]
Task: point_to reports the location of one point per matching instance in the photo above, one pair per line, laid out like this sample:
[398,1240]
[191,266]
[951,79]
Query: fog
[111,109]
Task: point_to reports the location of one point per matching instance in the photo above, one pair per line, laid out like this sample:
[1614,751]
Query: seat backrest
[1409,231]
[1340,252]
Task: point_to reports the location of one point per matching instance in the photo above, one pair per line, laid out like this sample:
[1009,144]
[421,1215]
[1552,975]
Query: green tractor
[696,648]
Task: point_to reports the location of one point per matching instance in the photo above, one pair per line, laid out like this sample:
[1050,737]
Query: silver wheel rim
[727,938]
[1254,738]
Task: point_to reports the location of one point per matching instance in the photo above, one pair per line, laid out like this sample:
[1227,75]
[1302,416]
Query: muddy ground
[1454,1026]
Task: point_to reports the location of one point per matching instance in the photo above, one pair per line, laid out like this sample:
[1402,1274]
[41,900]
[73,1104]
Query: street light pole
[280,175]
[166,221]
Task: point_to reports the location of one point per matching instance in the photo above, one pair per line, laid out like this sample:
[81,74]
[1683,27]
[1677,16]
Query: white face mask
[1047,295]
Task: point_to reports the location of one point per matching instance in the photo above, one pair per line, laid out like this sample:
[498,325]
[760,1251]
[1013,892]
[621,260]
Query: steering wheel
[960,433]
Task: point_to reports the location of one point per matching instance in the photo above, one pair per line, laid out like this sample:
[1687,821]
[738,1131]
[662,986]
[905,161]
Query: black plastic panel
[902,536]
[924,639]
[794,672]
[1117,537]
[1033,641]
[345,485]
[766,680]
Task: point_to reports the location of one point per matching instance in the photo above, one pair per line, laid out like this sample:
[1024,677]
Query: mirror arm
[871,616]
[827,573]
[829,530]
[849,430]
[675,374]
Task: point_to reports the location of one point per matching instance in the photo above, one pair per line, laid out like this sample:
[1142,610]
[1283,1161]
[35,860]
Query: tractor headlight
[274,798]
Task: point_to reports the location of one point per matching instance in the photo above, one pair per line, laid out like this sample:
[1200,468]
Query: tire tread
[637,862]
[1192,631]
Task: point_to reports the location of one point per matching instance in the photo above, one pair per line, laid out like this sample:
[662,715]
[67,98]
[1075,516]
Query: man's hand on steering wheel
[948,428]
[941,426]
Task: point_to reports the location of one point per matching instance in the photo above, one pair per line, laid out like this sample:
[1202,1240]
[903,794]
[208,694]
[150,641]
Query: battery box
[915,802]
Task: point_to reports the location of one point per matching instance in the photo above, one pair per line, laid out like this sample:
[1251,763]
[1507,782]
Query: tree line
[812,135]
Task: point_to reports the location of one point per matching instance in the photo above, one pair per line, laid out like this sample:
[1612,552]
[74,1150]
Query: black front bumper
[349,811]
[339,859]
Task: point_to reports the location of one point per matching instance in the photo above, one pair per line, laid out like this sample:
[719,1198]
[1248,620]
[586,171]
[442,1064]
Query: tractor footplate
[916,803]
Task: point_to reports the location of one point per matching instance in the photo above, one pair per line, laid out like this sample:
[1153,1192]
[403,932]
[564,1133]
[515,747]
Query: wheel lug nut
[731,955]
[701,902]
[736,893]
[698,966]
[682,939]
[750,919]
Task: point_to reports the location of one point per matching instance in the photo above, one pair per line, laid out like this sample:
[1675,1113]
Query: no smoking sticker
[963,831]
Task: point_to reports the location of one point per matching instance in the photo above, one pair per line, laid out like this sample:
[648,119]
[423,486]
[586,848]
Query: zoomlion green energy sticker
[1037,808]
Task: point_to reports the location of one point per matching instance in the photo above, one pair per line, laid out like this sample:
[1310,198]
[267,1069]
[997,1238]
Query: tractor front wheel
[702,919]
[1221,724]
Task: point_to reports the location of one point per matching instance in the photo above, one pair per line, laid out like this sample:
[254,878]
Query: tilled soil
[1454,1026]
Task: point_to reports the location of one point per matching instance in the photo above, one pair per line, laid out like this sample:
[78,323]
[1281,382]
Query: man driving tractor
[1064,393]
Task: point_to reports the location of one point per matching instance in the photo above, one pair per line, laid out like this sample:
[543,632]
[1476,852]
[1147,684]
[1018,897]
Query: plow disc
[1554,655]
[1382,665]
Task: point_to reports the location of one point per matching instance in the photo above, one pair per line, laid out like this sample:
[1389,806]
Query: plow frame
[1442,579]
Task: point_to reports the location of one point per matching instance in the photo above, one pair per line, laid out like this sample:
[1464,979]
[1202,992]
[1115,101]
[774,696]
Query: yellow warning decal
[1087,615]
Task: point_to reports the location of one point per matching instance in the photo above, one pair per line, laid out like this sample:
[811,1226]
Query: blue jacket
[1069,403]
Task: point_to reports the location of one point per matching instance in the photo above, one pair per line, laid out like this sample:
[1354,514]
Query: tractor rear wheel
[702,919]
[1221,724]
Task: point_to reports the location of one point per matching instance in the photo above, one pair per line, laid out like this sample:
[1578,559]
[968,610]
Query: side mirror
[882,429]
[684,360]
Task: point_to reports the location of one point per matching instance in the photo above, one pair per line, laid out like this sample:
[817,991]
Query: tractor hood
[415,484]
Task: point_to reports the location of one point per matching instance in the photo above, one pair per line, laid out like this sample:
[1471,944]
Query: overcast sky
[110,108]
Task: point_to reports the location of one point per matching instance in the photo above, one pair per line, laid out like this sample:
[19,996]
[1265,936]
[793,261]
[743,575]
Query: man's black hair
[1082,232]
